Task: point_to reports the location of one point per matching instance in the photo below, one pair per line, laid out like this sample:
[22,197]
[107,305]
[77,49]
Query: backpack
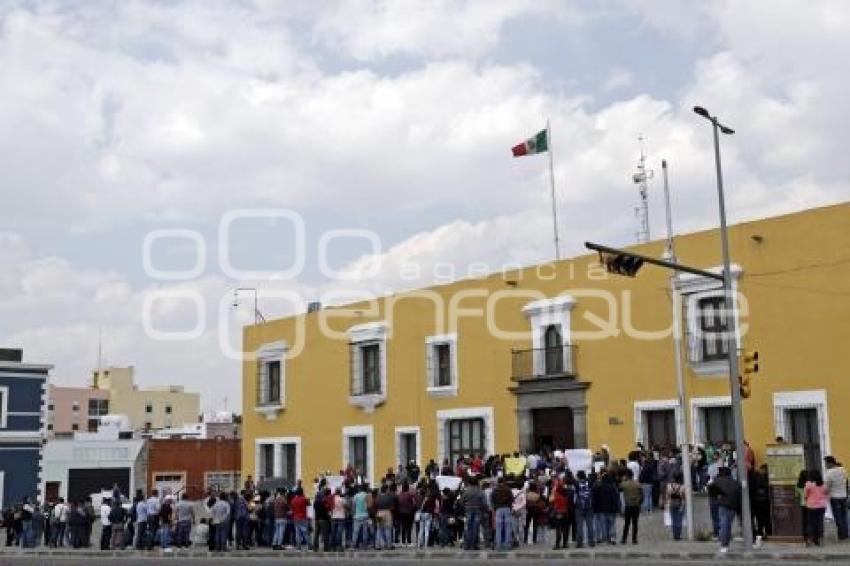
[584,501]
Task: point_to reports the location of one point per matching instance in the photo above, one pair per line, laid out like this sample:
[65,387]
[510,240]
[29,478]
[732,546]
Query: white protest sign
[451,482]
[579,459]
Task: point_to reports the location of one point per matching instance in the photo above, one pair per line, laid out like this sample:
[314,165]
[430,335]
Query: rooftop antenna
[641,178]
[99,355]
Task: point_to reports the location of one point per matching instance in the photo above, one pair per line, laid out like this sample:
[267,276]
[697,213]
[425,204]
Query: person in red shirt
[299,516]
[560,510]
[477,465]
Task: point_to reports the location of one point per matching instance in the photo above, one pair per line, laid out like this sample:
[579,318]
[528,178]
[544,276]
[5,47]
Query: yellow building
[560,354]
[147,409]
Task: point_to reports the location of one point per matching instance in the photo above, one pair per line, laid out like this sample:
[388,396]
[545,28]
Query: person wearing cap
[836,487]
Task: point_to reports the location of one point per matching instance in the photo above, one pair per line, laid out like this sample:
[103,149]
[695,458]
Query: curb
[443,556]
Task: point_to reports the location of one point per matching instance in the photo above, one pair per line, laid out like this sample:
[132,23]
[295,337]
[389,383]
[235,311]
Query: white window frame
[4,410]
[3,488]
[432,369]
[399,430]
[785,401]
[364,335]
[692,288]
[277,454]
[360,430]
[272,352]
[541,315]
[642,407]
[443,418]
[697,424]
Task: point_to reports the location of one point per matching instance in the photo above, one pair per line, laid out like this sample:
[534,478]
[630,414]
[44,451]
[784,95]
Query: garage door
[83,482]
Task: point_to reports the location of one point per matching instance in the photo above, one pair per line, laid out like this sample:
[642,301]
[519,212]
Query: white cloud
[617,79]
[375,29]
[143,114]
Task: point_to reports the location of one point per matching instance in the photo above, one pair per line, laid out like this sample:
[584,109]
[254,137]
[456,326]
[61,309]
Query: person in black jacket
[726,491]
[606,505]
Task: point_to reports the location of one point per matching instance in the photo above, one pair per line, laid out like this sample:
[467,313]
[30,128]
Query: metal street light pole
[682,424]
[731,335]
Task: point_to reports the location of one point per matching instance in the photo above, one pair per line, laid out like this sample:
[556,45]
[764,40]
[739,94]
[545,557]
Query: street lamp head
[726,130]
[702,112]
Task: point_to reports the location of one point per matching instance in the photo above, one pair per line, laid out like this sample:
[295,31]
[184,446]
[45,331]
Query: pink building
[73,409]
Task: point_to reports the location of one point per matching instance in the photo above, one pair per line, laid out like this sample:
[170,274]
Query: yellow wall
[796,281]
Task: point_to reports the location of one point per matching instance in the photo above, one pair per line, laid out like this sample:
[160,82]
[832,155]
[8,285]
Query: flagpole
[552,184]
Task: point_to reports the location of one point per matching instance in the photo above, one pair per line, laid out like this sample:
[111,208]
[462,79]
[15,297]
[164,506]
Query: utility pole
[682,419]
[731,333]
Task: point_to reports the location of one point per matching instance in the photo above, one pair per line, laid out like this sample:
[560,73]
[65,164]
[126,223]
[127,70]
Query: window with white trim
[268,390]
[551,353]
[358,455]
[271,378]
[279,459]
[708,321]
[713,326]
[358,450]
[441,364]
[718,425]
[368,360]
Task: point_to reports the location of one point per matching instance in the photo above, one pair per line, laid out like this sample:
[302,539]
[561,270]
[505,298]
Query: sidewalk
[684,551]
[655,544]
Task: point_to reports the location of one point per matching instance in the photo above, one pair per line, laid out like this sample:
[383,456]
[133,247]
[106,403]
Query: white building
[78,467]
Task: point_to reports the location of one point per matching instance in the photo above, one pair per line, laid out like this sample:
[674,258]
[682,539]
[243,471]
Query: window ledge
[442,391]
[270,411]
[368,401]
[714,368]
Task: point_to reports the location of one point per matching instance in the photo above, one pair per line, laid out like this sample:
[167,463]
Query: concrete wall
[63,416]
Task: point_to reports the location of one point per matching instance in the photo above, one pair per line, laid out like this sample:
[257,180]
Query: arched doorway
[553,428]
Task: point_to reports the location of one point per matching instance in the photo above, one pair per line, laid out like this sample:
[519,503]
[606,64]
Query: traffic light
[621,264]
[744,386]
[749,364]
[750,361]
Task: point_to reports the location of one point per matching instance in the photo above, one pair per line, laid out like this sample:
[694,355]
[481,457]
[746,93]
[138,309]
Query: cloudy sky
[119,119]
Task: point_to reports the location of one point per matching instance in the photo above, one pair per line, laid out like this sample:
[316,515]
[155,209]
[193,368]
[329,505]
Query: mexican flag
[538,144]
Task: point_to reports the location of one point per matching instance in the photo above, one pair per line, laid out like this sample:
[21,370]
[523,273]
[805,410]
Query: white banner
[451,482]
[579,459]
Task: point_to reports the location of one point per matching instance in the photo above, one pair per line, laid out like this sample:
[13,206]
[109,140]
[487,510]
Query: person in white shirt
[60,521]
[836,487]
[152,506]
[105,525]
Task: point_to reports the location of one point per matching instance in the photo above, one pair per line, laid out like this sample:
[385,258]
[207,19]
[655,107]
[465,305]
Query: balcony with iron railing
[543,363]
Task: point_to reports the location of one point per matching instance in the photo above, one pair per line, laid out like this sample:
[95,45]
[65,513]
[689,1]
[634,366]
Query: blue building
[23,414]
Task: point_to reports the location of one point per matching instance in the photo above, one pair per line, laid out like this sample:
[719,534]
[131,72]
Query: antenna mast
[641,179]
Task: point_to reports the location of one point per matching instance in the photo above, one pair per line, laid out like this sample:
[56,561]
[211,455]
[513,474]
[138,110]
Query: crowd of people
[477,503]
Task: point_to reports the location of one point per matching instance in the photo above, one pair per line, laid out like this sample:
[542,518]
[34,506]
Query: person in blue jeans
[727,492]
[606,505]
[474,503]
[501,500]
[360,514]
[240,512]
[584,511]
[676,504]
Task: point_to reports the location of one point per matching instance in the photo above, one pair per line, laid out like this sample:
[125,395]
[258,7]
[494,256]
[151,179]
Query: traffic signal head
[621,264]
[750,361]
[744,385]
